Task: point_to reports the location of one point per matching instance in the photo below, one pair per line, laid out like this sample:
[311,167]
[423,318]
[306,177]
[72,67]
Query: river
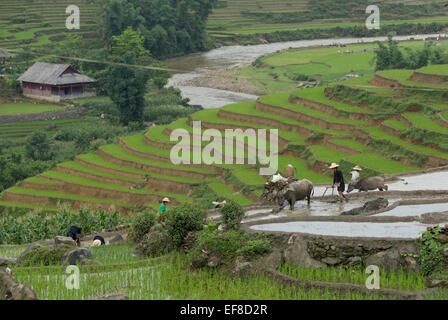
[196,65]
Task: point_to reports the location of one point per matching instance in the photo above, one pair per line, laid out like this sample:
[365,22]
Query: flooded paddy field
[349,229]
[415,202]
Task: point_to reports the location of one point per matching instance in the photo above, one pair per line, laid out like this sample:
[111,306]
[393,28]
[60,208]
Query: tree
[126,87]
[129,40]
[117,16]
[4,144]
[39,147]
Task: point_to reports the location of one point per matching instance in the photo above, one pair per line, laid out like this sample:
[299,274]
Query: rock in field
[64,240]
[10,289]
[369,206]
[77,256]
[4,262]
[117,239]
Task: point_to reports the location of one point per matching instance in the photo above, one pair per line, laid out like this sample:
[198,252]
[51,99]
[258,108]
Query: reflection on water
[349,229]
[197,65]
[428,181]
[415,210]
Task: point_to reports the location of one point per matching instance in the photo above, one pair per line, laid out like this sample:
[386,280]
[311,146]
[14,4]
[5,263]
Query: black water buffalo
[366,184]
[296,191]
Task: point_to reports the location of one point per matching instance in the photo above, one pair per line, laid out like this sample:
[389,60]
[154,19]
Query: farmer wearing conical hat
[162,208]
[98,241]
[338,179]
[355,173]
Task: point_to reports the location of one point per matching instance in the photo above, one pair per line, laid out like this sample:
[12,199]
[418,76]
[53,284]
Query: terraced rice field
[236,17]
[41,22]
[23,108]
[137,171]
[17,132]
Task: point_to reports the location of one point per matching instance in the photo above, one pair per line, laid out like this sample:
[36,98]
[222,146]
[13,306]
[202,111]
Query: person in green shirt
[162,208]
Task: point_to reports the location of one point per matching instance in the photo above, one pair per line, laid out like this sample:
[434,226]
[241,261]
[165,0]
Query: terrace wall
[223,126]
[155,169]
[167,131]
[428,78]
[328,109]
[52,202]
[382,82]
[303,117]
[309,250]
[43,116]
[155,184]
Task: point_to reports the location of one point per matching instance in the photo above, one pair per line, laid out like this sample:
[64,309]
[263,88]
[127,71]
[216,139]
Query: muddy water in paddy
[349,229]
[196,65]
[428,181]
[415,210]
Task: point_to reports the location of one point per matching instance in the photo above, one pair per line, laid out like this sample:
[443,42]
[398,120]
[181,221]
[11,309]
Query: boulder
[332,260]
[445,252]
[117,239]
[438,283]
[353,261]
[241,268]
[4,262]
[10,289]
[297,253]
[64,240]
[38,253]
[154,243]
[389,259]
[30,248]
[118,296]
[442,238]
[78,256]
[214,259]
[368,207]
[271,260]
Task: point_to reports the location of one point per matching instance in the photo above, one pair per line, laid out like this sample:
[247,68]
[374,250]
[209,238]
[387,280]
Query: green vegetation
[23,108]
[247,22]
[45,226]
[406,281]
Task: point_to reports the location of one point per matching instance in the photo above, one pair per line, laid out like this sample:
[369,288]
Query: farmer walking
[355,173]
[75,234]
[338,179]
[162,208]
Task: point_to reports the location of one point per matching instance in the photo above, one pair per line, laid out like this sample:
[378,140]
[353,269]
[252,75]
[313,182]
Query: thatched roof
[4,54]
[51,74]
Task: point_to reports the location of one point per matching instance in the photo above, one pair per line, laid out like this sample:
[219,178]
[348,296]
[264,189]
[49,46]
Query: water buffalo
[366,184]
[295,191]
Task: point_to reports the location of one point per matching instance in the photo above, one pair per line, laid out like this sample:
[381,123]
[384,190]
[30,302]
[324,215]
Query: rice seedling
[400,280]
[170,278]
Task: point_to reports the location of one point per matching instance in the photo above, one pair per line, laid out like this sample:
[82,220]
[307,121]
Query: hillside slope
[349,122]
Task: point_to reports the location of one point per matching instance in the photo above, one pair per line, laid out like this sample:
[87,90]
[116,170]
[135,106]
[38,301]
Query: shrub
[183,219]
[431,251]
[204,196]
[45,255]
[142,225]
[39,147]
[154,243]
[231,213]
[135,126]
[165,114]
[5,144]
[228,245]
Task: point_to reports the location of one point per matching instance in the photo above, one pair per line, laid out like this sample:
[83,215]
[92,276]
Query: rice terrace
[223,150]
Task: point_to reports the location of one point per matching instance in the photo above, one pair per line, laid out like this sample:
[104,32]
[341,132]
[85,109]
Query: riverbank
[218,86]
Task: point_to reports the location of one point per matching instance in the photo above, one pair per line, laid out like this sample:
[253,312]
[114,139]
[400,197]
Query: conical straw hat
[357,168]
[333,165]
